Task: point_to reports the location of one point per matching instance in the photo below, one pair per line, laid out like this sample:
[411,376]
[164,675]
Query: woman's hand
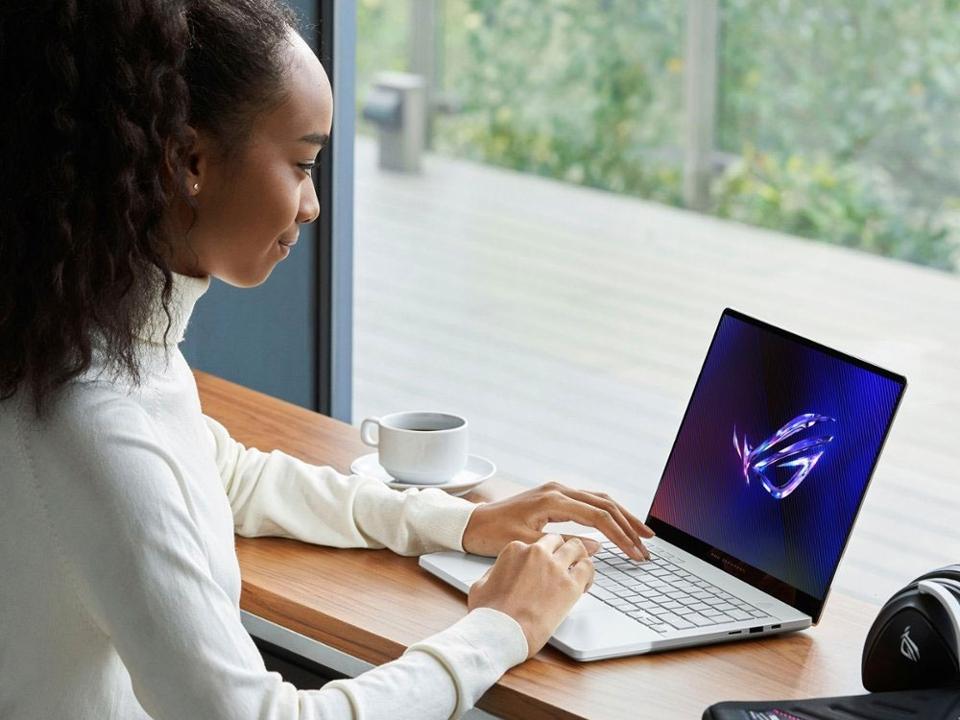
[536,585]
[494,525]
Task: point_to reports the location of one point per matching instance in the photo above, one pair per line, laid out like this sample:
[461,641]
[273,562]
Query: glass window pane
[542,275]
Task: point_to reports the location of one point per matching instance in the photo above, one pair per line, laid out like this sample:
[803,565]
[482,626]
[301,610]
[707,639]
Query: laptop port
[734,632]
[775,627]
[756,629]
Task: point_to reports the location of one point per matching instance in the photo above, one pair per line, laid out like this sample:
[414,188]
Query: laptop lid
[772,459]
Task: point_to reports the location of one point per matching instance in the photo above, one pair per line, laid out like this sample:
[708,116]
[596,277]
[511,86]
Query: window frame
[336,38]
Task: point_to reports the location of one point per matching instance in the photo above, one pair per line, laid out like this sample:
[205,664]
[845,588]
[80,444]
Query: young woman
[148,146]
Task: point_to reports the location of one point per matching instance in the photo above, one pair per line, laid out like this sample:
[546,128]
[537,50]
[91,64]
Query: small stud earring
[196,187]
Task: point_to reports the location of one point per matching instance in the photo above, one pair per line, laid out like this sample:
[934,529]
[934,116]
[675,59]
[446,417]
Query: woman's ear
[195,162]
[189,158]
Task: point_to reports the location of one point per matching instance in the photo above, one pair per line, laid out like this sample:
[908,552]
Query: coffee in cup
[418,447]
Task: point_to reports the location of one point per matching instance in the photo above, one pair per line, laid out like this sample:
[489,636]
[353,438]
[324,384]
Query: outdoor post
[423,54]
[700,100]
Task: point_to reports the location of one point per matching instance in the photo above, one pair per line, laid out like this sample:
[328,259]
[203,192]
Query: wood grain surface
[372,604]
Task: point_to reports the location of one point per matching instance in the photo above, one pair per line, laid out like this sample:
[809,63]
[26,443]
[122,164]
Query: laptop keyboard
[662,595]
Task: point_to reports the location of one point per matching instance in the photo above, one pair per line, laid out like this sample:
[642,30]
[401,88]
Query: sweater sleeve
[277,494]
[135,554]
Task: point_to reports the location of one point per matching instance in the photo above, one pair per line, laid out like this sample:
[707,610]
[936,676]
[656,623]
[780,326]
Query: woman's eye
[307,167]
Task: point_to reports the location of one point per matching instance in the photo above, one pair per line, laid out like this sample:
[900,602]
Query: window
[602,179]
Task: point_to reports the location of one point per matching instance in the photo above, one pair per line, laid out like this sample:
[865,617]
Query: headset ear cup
[908,653]
[911,643]
[875,668]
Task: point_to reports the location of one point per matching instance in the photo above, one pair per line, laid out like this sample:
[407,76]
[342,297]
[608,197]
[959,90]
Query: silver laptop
[754,508]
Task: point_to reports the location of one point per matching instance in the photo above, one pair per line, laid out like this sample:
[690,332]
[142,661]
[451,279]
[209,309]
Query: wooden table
[359,603]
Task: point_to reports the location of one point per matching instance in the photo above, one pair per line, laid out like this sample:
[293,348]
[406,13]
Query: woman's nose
[309,206]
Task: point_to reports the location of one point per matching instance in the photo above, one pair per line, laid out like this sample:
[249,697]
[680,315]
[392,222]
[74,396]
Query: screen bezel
[783,591]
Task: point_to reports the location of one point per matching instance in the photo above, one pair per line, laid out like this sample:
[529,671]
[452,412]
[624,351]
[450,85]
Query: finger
[638,529]
[551,541]
[592,545]
[641,527]
[599,518]
[622,515]
[613,510]
[583,572]
[573,550]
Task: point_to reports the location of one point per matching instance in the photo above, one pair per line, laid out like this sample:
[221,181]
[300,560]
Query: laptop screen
[773,457]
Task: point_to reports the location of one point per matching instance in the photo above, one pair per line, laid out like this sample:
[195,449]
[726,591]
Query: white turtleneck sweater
[119,582]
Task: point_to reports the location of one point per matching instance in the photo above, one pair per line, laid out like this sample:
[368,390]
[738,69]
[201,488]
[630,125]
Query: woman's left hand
[522,517]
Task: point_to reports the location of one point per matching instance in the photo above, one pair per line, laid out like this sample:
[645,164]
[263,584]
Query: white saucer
[476,471]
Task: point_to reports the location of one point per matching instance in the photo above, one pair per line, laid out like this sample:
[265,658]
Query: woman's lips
[289,242]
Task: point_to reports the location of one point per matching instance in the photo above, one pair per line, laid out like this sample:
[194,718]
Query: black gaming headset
[915,641]
[909,663]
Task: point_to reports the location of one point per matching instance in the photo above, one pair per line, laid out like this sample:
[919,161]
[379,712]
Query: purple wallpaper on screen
[753,383]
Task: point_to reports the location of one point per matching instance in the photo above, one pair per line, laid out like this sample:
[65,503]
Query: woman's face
[249,208]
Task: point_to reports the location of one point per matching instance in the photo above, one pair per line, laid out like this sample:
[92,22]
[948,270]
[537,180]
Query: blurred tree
[841,112]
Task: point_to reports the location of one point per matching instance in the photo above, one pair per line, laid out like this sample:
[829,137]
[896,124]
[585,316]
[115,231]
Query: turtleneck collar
[186,291]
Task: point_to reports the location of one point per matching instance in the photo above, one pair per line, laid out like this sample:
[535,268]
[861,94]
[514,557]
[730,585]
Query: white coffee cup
[418,447]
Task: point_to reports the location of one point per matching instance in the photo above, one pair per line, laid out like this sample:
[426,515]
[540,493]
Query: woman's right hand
[536,584]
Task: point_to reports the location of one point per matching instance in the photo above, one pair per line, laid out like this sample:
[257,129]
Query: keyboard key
[643,617]
[699,620]
[738,614]
[677,622]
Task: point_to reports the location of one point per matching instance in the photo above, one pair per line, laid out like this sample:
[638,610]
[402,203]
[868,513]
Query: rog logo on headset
[908,648]
[798,458]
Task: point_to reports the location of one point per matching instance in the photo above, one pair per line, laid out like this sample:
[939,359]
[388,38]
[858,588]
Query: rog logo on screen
[773,456]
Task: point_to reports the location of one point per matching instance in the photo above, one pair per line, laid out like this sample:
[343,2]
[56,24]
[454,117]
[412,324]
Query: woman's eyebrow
[315,139]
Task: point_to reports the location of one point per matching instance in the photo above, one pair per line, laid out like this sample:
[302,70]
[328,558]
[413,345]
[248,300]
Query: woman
[148,146]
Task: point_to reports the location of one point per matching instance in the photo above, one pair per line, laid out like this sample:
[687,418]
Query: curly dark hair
[97,97]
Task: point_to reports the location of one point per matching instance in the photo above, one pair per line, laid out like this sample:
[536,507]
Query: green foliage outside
[840,116]
[584,95]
